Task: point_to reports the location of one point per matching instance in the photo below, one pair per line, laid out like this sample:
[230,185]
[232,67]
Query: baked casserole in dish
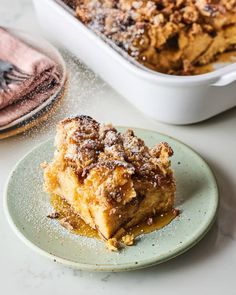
[164,56]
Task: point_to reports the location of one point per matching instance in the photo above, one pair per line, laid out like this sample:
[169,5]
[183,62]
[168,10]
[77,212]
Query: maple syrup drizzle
[81,228]
[65,211]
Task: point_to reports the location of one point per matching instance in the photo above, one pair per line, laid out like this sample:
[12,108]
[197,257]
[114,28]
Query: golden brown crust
[163,34]
[88,145]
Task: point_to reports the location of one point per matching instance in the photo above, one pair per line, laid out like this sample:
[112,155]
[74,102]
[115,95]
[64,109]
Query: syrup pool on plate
[76,225]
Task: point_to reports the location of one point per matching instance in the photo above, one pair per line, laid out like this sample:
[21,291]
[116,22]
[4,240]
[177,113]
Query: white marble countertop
[208,267]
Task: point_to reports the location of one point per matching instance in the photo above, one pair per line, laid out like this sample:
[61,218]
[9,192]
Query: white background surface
[208,267]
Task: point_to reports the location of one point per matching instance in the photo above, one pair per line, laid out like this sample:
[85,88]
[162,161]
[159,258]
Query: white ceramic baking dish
[171,99]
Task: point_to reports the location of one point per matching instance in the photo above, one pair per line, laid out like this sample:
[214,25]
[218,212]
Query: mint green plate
[26,207]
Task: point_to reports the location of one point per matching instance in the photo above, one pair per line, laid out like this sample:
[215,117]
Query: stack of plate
[43,111]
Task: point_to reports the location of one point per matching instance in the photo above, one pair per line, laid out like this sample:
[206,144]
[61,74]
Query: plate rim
[130,266]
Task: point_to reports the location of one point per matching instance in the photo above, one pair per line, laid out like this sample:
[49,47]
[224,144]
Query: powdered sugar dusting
[81,84]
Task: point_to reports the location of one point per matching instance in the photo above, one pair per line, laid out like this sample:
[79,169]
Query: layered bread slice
[111,180]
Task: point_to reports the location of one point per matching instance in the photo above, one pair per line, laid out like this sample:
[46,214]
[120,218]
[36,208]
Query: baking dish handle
[226,79]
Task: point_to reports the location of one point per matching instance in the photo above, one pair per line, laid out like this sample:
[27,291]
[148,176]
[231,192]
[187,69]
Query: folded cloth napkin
[44,78]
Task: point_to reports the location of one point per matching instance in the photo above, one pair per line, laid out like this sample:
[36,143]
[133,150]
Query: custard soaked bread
[169,36]
[111,180]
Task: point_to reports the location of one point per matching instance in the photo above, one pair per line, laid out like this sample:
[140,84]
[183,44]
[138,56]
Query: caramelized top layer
[125,20]
[86,144]
[143,28]
[179,12]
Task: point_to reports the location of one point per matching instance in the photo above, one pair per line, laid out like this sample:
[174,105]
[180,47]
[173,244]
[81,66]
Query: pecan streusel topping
[88,144]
